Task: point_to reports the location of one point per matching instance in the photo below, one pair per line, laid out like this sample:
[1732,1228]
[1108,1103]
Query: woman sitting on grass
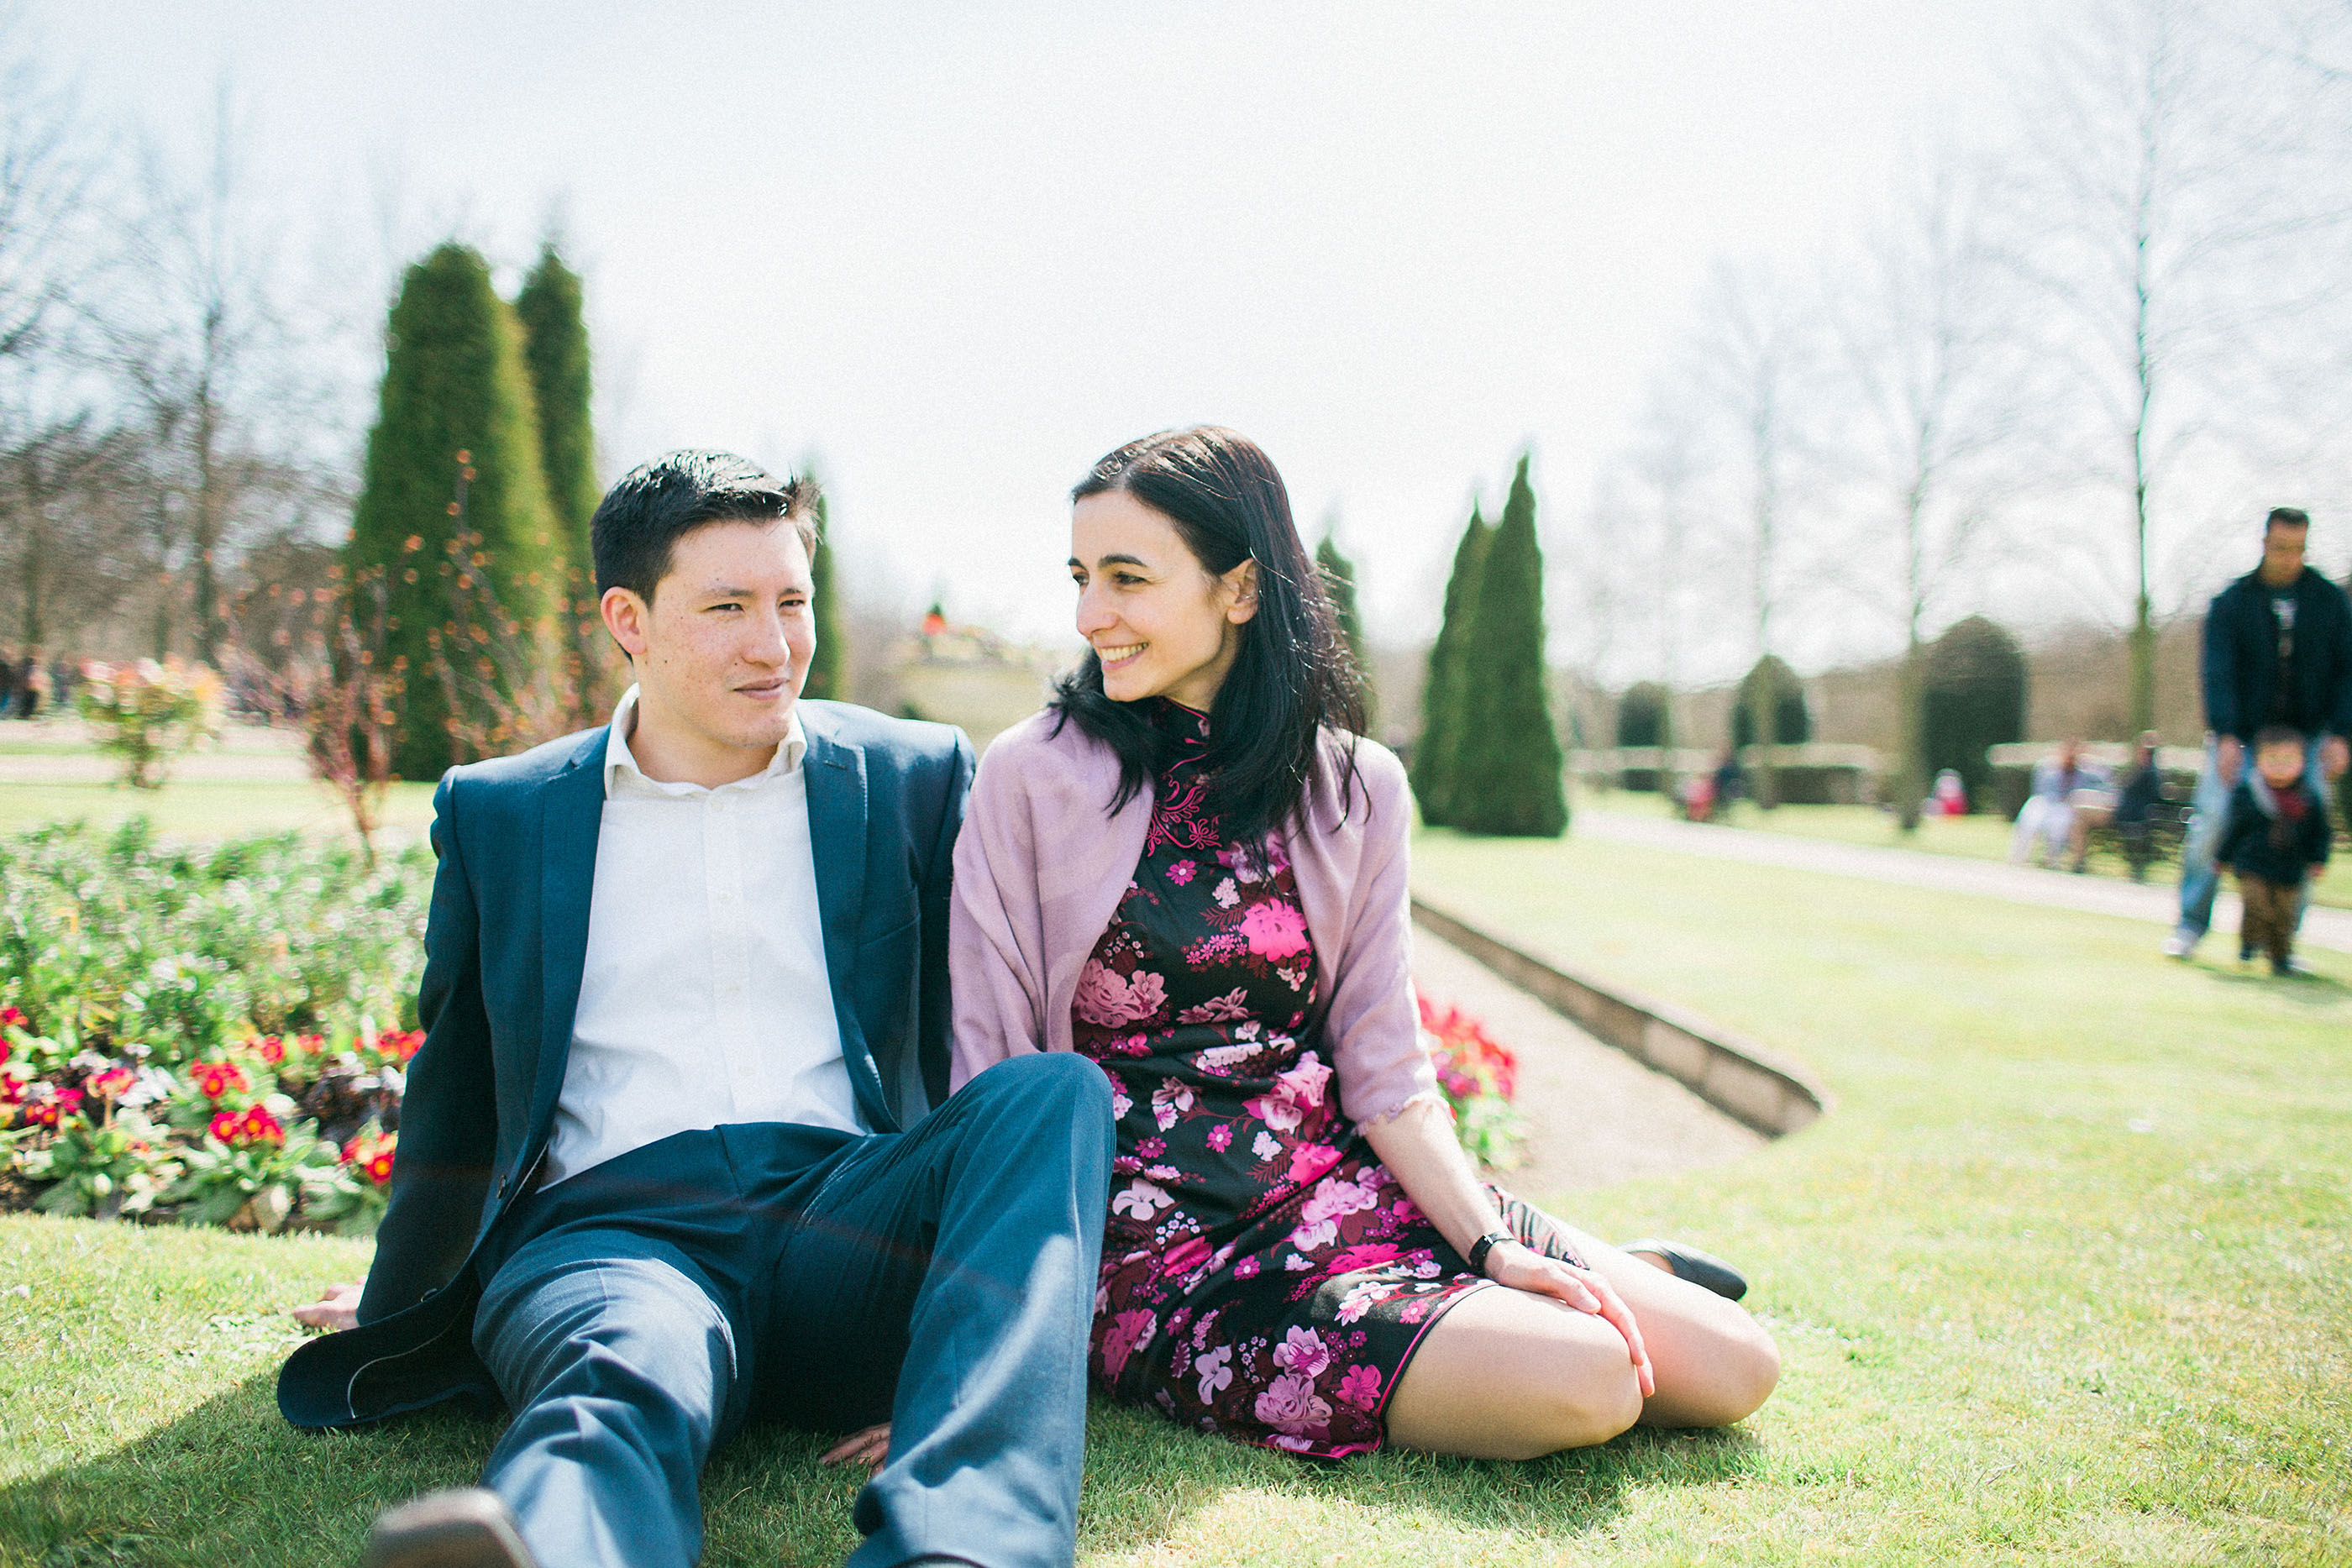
[1189,868]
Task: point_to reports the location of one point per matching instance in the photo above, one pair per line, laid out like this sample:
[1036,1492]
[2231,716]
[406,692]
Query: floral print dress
[1262,1274]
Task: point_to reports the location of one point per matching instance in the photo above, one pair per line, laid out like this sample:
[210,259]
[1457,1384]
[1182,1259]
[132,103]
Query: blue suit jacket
[504,945]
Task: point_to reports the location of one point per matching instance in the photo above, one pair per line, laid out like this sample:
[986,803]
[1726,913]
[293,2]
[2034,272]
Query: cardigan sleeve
[996,961]
[1378,1052]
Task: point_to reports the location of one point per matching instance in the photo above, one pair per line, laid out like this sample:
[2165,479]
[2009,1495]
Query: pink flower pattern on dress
[1263,1275]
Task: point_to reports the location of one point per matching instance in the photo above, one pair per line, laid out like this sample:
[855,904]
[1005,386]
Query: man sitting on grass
[664,1163]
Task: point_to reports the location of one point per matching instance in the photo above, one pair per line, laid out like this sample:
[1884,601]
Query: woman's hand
[338,1307]
[1523,1268]
[870,1446]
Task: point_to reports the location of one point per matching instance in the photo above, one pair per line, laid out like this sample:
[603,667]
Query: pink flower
[1304,1083]
[1106,1000]
[1214,1372]
[1360,1387]
[1366,1255]
[1308,1161]
[1247,1268]
[1182,872]
[1302,1350]
[1275,930]
[1221,1136]
[1290,1405]
[1230,1008]
[1183,1258]
[1127,1331]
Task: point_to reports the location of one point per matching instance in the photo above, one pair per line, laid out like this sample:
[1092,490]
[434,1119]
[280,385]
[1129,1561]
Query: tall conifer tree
[827,676]
[1507,762]
[1441,726]
[556,352]
[454,381]
[1339,580]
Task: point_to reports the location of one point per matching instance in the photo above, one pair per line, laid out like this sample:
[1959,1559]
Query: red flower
[400,1044]
[224,1125]
[372,1155]
[271,1049]
[242,1129]
[53,1107]
[217,1079]
[312,1044]
[111,1084]
[13,1018]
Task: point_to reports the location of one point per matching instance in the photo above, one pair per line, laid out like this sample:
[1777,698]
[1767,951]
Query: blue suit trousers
[942,1278]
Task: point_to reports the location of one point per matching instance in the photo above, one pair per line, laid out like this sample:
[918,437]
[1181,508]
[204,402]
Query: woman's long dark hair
[1292,672]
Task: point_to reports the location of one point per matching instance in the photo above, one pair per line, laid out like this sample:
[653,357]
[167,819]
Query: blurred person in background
[2129,810]
[2277,841]
[2061,785]
[33,685]
[2278,651]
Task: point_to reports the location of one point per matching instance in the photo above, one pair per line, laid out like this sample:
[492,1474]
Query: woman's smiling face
[1162,623]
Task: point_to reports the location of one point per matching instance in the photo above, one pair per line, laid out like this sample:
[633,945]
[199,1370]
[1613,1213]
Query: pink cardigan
[1040,869]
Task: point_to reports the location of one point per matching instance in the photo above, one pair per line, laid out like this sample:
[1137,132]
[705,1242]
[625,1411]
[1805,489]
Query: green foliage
[1432,772]
[145,714]
[556,353]
[1976,694]
[119,945]
[1507,763]
[1642,715]
[1771,679]
[825,670]
[1340,581]
[453,383]
[119,1165]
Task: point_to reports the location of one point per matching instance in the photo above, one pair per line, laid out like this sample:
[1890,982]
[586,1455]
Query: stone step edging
[1750,1082]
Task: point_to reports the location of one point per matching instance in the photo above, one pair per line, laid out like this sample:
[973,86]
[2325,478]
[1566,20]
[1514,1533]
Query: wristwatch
[1483,1245]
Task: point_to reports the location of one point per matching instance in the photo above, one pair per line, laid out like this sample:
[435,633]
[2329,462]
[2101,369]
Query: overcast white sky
[959,251]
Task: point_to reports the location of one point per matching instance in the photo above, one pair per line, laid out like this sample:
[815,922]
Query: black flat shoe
[470,1527]
[1702,1269]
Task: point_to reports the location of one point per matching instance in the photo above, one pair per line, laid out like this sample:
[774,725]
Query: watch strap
[1486,1244]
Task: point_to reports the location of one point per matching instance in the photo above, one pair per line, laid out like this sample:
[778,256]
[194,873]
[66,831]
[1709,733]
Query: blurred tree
[1340,581]
[827,674]
[1441,719]
[1771,686]
[1642,715]
[1507,758]
[555,350]
[453,383]
[1976,694]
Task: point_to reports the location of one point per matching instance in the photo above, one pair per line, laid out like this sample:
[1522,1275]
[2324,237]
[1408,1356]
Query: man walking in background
[2278,651]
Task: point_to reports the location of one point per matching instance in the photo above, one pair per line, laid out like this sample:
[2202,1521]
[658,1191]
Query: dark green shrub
[1976,696]
[1793,723]
[1642,715]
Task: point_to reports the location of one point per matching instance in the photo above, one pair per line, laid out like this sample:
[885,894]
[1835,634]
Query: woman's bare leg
[1509,1374]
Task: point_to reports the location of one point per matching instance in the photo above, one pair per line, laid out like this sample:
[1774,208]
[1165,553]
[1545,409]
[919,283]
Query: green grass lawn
[1970,838]
[207,808]
[2063,1277]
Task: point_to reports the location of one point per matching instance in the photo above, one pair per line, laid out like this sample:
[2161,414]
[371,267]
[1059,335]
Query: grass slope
[2062,1278]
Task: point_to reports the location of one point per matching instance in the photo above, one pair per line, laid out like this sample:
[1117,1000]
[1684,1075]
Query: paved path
[2156,902]
[1594,1115]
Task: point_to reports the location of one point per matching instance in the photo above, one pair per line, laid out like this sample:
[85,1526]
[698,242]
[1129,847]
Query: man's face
[2281,763]
[2282,553]
[722,651]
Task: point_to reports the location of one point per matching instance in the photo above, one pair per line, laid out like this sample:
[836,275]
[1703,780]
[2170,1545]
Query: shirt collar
[621,764]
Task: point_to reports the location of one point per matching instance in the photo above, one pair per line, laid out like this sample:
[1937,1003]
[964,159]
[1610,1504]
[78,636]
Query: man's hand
[338,1307]
[2334,755]
[870,1446]
[2233,758]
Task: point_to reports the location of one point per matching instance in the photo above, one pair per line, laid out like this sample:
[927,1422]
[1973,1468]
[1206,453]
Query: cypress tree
[1340,581]
[1433,754]
[555,351]
[826,677]
[454,381]
[1507,761]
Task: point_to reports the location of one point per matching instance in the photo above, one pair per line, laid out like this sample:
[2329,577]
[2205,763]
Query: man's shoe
[1702,1269]
[470,1527]
[2180,944]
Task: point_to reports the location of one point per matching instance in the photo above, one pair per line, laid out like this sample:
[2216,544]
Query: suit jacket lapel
[835,777]
[572,810]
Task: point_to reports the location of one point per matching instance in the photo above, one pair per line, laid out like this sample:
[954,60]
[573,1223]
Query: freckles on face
[1147,606]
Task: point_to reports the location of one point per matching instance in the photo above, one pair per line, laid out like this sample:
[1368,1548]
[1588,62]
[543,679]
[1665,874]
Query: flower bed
[1478,1075]
[210,1035]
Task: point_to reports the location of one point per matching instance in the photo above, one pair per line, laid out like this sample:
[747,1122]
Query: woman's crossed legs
[1511,1374]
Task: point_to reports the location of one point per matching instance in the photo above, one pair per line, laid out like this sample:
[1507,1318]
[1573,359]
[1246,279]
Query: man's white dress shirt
[705,999]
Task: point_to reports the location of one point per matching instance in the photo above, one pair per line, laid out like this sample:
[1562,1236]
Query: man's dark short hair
[639,523]
[2286,518]
[2278,734]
